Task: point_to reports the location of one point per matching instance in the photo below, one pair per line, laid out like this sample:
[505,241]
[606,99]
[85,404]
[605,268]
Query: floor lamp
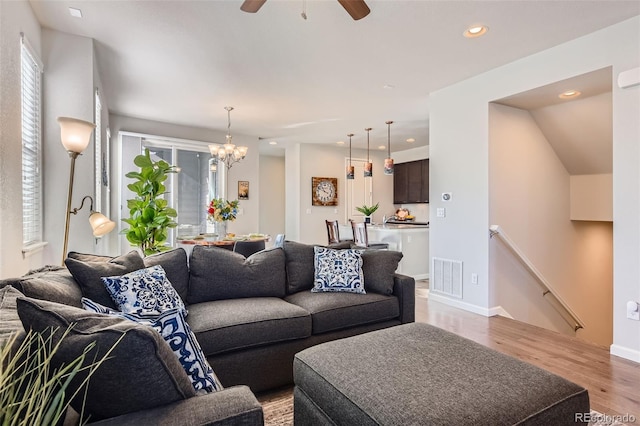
[75,135]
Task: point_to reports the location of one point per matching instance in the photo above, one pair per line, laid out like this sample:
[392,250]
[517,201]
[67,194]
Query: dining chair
[333,233]
[247,248]
[361,237]
[279,241]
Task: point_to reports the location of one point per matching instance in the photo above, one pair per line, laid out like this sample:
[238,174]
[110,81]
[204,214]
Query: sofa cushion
[174,263]
[145,291]
[141,372]
[335,311]
[89,257]
[299,263]
[10,323]
[173,327]
[53,283]
[88,274]
[379,267]
[226,325]
[338,271]
[217,274]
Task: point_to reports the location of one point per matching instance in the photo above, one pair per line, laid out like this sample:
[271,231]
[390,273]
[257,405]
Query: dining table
[227,242]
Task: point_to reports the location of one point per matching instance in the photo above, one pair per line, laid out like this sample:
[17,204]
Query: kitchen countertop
[392,226]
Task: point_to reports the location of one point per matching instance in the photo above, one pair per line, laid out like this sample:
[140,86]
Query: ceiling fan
[358,9]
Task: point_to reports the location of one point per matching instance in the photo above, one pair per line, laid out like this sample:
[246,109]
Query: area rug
[278,410]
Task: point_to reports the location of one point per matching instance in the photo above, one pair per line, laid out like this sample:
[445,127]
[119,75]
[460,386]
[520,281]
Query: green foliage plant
[149,213]
[31,391]
[367,210]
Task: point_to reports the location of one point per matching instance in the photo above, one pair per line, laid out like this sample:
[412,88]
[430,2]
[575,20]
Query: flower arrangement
[221,210]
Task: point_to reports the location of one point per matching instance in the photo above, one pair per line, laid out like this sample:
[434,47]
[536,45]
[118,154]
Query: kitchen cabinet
[411,182]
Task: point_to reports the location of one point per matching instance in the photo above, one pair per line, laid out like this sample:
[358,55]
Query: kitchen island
[410,239]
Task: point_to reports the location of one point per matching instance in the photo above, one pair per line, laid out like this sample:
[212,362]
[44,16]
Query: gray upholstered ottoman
[417,374]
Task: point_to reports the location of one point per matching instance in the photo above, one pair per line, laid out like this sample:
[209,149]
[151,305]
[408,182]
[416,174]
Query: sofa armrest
[236,405]
[404,288]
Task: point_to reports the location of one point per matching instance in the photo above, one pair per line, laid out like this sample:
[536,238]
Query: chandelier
[229,154]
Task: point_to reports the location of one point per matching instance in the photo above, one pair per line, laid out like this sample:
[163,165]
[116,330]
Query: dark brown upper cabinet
[411,182]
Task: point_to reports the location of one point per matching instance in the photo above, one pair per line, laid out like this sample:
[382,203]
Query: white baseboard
[627,353]
[499,310]
[421,277]
[460,304]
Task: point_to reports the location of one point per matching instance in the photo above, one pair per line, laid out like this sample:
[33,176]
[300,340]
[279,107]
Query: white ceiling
[312,81]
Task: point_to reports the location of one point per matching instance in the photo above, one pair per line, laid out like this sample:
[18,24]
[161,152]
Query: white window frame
[97,205]
[31,99]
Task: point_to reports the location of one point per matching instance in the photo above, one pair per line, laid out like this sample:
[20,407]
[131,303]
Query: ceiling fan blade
[358,9]
[252,6]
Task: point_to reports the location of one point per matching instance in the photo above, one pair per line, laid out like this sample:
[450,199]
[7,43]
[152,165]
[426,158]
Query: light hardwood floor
[613,383]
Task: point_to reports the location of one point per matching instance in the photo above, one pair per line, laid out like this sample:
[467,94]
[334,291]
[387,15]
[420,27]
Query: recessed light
[411,140]
[340,142]
[569,94]
[273,143]
[475,31]
[381,147]
[388,86]
[76,13]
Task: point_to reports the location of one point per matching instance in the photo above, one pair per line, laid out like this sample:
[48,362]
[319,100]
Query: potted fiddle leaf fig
[150,215]
[367,211]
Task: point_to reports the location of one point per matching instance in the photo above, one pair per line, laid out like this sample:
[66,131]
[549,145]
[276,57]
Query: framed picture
[324,191]
[243,190]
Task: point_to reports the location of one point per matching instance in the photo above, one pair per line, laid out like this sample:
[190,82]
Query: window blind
[31,84]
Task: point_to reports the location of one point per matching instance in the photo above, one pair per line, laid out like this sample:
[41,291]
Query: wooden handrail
[575,322]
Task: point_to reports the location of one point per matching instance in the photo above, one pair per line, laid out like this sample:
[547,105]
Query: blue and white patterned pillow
[338,270]
[145,291]
[173,327]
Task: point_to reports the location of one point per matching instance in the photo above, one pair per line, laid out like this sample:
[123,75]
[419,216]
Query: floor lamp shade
[75,134]
[100,224]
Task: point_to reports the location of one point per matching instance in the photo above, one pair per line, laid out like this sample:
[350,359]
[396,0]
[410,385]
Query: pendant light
[388,162]
[368,166]
[350,169]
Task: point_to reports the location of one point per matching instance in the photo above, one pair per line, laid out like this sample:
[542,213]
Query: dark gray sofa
[250,316]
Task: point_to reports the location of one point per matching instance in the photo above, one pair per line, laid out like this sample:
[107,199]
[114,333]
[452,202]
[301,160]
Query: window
[31,84]
[98,154]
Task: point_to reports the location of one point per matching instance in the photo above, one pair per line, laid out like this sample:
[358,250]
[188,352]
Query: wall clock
[324,191]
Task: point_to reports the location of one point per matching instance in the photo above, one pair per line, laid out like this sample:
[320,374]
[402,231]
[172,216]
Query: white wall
[459,149]
[272,194]
[68,91]
[15,17]
[308,160]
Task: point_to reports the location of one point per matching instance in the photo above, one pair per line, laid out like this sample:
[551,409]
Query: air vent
[447,277]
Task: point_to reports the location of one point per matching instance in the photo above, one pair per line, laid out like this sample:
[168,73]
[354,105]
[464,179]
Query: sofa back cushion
[53,283]
[88,274]
[378,267]
[299,264]
[142,372]
[174,263]
[217,274]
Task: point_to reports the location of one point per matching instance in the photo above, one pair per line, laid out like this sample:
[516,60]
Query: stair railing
[556,301]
